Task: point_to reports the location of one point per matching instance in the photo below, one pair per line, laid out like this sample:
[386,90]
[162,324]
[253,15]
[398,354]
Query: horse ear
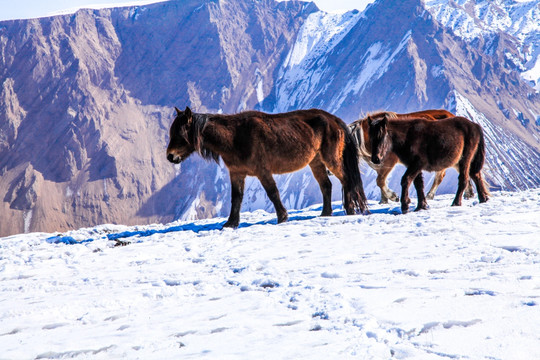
[178,112]
[188,112]
[384,121]
[369,121]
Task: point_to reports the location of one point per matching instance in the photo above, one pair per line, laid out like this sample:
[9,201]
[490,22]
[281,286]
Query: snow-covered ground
[450,282]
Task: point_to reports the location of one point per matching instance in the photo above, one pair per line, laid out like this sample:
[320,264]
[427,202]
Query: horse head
[180,146]
[378,134]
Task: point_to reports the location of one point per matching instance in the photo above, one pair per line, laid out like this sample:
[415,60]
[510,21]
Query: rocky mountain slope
[486,24]
[377,60]
[86,99]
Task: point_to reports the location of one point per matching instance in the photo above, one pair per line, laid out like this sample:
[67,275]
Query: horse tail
[353,192]
[479,158]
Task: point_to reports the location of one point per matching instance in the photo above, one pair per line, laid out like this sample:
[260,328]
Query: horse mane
[358,133]
[197,127]
[358,136]
[380,114]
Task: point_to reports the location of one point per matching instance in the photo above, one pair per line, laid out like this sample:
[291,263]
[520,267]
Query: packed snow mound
[449,282]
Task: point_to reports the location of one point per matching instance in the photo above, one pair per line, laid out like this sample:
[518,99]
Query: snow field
[444,283]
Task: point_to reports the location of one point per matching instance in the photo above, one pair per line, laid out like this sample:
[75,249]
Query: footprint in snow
[12,332]
[477,292]
[54,326]
[328,275]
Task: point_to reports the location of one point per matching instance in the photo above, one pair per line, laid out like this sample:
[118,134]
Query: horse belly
[288,163]
[443,154]
[288,155]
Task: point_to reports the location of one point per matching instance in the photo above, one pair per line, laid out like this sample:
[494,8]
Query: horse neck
[397,132]
[200,124]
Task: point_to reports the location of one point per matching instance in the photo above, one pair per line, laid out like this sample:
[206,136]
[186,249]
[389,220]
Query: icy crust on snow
[520,19]
[449,282]
[299,74]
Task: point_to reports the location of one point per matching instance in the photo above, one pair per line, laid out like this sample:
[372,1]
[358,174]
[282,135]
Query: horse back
[437,144]
[435,114]
[281,142]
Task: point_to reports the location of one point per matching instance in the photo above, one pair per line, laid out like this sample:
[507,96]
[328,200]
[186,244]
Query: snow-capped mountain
[376,60]
[483,22]
[86,99]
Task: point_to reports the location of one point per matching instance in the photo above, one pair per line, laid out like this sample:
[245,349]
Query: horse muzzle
[175,159]
[375,159]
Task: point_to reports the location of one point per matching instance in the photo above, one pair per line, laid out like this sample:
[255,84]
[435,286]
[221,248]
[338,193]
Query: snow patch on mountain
[484,18]
[506,155]
[374,64]
[301,71]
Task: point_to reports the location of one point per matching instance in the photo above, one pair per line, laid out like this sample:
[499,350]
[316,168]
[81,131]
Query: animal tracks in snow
[446,282]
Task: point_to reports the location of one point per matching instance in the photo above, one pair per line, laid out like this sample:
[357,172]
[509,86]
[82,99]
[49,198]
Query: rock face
[86,102]
[86,99]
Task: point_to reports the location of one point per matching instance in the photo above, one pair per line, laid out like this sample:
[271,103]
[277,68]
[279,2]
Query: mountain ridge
[86,100]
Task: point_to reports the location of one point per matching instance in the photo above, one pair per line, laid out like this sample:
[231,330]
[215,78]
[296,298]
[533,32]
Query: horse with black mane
[422,144]
[360,132]
[257,144]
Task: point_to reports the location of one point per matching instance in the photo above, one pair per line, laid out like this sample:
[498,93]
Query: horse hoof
[421,207]
[230,224]
[430,197]
[404,208]
[326,213]
[383,201]
[282,219]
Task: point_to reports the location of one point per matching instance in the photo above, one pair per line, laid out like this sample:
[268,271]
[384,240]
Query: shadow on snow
[295,215]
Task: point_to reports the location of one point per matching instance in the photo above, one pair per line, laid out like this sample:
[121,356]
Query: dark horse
[257,144]
[360,132]
[422,144]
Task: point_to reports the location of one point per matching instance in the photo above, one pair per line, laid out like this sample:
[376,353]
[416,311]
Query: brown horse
[359,129]
[422,144]
[257,144]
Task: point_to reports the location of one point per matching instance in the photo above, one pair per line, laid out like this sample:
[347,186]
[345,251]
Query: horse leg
[469,192]
[463,178]
[419,185]
[382,174]
[337,169]
[321,175]
[272,191]
[410,174]
[480,187]
[381,183]
[237,193]
[439,176]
